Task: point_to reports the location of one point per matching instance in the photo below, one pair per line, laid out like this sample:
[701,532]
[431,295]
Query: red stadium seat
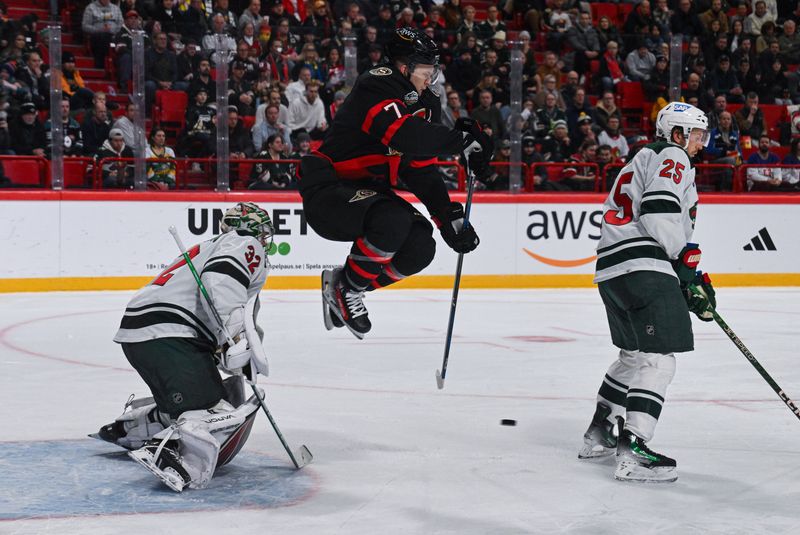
[624,10]
[600,9]
[170,111]
[22,171]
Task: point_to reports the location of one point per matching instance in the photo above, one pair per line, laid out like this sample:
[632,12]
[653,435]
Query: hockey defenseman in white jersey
[645,264]
[195,421]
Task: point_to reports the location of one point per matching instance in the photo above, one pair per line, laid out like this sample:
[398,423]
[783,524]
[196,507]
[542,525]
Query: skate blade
[639,474]
[98,437]
[173,481]
[326,309]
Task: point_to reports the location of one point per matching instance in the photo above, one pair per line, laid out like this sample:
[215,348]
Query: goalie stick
[440,375]
[303,456]
[746,352]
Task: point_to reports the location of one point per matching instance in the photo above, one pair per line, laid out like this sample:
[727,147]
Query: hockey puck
[508,422]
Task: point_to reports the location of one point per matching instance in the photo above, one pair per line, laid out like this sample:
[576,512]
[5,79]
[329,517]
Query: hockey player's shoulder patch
[381,71]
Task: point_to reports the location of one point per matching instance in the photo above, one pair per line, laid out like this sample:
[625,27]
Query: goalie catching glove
[450,221]
[700,296]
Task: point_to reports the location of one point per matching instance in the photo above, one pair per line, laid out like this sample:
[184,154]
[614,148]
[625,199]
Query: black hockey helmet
[412,47]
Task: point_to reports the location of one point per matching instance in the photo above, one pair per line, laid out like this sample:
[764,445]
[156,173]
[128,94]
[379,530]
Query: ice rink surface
[392,453]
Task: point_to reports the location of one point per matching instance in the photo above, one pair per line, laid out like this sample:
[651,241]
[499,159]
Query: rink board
[119,240]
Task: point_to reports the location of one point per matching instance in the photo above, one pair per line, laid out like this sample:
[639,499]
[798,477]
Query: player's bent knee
[386,225]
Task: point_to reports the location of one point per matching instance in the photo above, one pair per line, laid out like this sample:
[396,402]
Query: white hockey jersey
[233,268]
[649,215]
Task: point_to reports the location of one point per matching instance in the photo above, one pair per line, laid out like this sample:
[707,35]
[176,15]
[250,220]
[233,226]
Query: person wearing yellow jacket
[72,84]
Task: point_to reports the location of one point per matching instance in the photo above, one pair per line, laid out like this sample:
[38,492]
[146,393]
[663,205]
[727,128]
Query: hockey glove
[478,147]
[450,221]
[686,263]
[236,357]
[701,297]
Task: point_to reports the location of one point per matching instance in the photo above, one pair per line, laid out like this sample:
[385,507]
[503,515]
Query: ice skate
[599,441]
[345,303]
[162,459]
[330,319]
[637,462]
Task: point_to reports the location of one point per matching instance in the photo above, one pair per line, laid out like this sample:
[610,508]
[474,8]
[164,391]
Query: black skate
[161,457]
[637,462]
[330,319]
[111,432]
[599,440]
[345,303]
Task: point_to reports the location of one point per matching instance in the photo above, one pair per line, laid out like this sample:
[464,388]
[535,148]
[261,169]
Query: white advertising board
[53,239]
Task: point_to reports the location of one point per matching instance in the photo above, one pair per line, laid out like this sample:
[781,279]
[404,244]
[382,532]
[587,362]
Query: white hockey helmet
[684,116]
[251,219]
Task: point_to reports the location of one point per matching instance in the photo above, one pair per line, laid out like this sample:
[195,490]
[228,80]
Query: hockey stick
[746,352]
[303,453]
[440,375]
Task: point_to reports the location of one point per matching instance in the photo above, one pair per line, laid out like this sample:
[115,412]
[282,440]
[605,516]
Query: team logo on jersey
[411,98]
[362,194]
[381,71]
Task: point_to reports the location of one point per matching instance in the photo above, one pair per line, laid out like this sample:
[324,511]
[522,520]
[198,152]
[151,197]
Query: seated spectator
[488,82]
[607,32]
[569,87]
[640,63]
[192,23]
[319,26]
[546,116]
[757,18]
[549,67]
[488,115]
[307,114]
[302,147]
[789,42]
[602,158]
[491,25]
[333,67]
[273,99]
[685,21]
[549,87]
[296,90]
[123,47]
[15,51]
[29,136]
[612,136]
[584,40]
[278,64]
[72,84]
[219,27]
[161,68]
[333,107]
[774,86]
[35,79]
[696,90]
[187,61]
[555,147]
[169,17]
[578,105]
[101,21]
[691,57]
[196,140]
[201,79]
[750,118]
[272,175]
[309,59]
[125,124]
[95,129]
[611,67]
[453,110]
[790,176]
[240,92]
[724,148]
[10,88]
[248,36]
[764,177]
[115,173]
[240,143]
[584,132]
[160,161]
[581,178]
[606,107]
[529,154]
[252,70]
[268,127]
[73,139]
[657,84]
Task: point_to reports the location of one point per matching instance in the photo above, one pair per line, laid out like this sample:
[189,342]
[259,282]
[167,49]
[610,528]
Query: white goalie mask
[250,218]
[686,117]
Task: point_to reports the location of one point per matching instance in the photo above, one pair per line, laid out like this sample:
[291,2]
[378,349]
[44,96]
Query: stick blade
[439,380]
[303,456]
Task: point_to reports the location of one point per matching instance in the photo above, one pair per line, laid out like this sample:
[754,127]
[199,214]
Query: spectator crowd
[285,59]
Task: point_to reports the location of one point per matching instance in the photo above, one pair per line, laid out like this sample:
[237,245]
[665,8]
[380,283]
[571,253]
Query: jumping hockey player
[388,129]
[644,268]
[195,421]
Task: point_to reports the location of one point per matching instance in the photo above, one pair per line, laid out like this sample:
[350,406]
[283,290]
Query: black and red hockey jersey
[381,119]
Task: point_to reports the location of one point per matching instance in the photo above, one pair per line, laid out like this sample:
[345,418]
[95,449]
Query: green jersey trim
[631,253]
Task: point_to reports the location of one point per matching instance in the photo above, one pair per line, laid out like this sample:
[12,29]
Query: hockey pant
[391,239]
[212,437]
[635,387]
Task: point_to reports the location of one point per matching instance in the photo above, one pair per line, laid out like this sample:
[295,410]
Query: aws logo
[563,226]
